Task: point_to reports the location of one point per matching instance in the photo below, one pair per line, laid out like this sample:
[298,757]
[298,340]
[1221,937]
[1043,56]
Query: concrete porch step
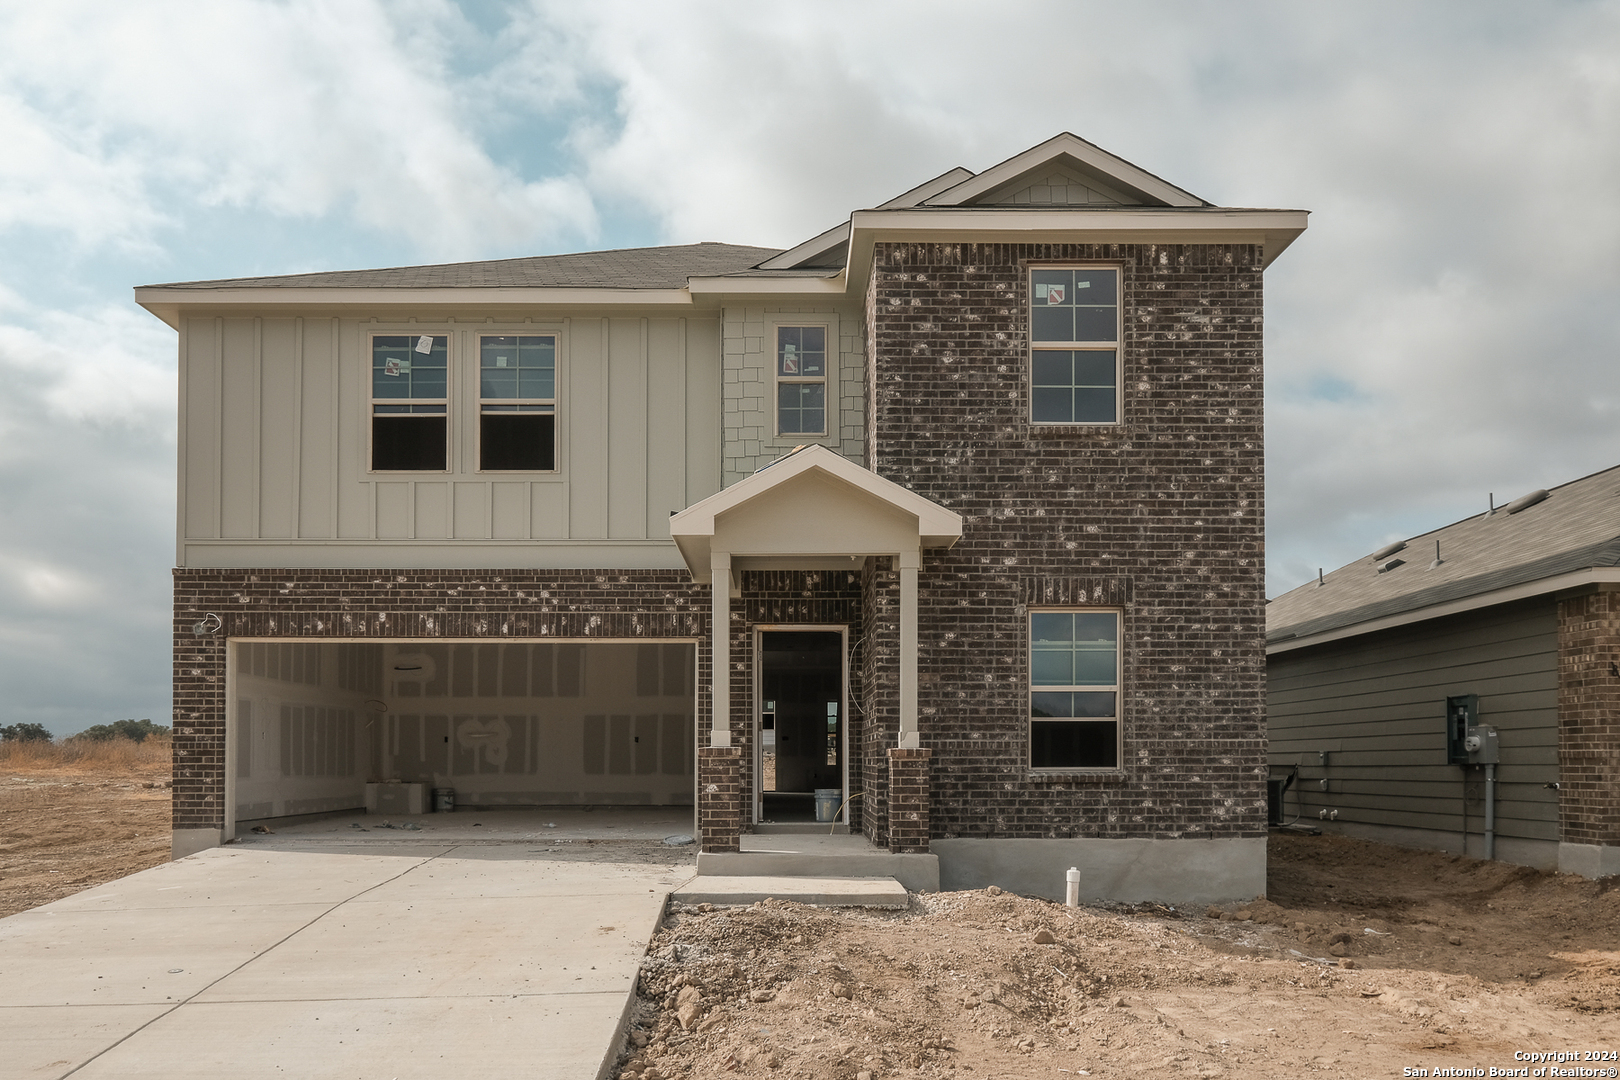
[790,855]
[879,892]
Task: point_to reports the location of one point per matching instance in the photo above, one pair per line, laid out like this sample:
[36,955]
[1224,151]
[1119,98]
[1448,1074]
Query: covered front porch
[813,516]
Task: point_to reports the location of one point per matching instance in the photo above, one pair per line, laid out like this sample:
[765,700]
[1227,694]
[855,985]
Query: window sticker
[790,359]
[500,361]
[1054,294]
[396,367]
[424,344]
[1040,290]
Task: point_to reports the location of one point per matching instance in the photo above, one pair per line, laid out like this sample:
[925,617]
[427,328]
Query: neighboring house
[1513,615]
[964,496]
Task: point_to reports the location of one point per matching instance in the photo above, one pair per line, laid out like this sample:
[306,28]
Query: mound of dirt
[1347,969]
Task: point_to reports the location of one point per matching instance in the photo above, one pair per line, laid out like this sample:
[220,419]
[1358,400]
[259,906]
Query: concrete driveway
[393,960]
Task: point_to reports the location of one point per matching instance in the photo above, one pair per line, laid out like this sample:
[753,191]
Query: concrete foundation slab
[1589,860]
[1131,871]
[183,842]
[823,892]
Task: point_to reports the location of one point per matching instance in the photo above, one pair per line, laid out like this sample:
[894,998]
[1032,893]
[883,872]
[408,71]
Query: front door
[800,709]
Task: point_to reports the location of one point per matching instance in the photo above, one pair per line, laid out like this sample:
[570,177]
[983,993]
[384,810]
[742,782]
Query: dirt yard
[68,825]
[1362,961]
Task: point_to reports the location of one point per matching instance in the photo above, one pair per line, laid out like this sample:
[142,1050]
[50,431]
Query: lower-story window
[1074,690]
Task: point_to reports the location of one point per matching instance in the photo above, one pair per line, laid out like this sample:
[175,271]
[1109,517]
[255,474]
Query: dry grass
[110,755]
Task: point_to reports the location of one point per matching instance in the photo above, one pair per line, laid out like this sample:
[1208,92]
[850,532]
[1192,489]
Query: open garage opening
[319,729]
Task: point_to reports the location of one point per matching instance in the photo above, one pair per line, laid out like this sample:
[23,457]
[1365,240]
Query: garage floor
[520,826]
[318,957]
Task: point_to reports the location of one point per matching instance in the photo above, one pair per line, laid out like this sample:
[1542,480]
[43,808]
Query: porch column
[909,563]
[720,647]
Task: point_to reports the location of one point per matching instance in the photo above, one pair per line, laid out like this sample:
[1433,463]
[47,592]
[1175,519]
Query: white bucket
[444,800]
[827,800]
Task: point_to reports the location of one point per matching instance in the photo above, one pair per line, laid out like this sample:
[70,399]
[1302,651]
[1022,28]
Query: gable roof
[1065,190]
[1528,547]
[696,528]
[624,268]
[1117,179]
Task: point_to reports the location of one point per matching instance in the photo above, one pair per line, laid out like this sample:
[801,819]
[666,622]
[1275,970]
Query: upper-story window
[801,380]
[410,402]
[517,390]
[1074,345]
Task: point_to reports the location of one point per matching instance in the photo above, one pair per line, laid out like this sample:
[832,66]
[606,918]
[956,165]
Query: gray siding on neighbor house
[1376,703]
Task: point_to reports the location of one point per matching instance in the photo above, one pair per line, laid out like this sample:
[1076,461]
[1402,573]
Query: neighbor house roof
[1547,541]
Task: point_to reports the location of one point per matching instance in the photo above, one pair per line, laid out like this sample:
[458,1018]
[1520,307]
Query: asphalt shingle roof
[1576,527]
[626,268]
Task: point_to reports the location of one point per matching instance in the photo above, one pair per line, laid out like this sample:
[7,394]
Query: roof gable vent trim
[1388,549]
[1525,502]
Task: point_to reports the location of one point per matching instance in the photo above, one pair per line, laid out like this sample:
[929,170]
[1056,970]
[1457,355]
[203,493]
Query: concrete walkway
[286,958]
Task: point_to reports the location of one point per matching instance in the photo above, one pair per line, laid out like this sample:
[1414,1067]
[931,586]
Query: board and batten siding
[1376,704]
[275,420]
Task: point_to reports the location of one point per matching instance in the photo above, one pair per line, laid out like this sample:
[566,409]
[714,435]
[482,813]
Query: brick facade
[498,605]
[376,605]
[909,796]
[1589,719]
[720,798]
[1160,517]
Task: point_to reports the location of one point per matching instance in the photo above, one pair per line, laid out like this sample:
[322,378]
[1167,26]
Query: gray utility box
[397,799]
[1481,745]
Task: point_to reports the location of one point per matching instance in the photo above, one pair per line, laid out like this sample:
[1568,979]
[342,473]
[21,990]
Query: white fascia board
[1575,579]
[166,303]
[925,191]
[693,529]
[838,234]
[1053,151]
[1273,229]
[768,286]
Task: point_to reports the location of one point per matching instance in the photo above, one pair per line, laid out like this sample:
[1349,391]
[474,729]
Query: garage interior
[511,725]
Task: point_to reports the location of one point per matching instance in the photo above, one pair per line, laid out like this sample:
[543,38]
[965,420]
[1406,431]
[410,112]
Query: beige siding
[1376,705]
[276,443]
[749,383]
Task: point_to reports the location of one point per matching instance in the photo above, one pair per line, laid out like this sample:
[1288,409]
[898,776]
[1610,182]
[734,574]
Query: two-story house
[962,499]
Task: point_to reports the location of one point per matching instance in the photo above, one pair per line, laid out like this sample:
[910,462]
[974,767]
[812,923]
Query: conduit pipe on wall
[1490,811]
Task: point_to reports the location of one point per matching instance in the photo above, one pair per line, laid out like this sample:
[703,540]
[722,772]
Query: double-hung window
[517,390]
[409,402]
[1074,692]
[801,380]
[1074,345]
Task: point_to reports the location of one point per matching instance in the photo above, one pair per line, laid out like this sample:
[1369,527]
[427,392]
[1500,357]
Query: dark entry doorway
[801,721]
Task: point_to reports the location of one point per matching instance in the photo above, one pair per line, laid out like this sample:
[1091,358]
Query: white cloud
[112,365]
[297,109]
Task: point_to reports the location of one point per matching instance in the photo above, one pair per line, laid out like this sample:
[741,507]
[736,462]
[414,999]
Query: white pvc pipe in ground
[1071,894]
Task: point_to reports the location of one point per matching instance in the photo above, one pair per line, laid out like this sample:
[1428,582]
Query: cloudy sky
[1447,328]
